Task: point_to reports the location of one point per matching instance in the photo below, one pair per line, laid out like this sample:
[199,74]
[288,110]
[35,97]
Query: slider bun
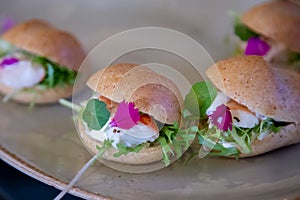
[145,156]
[39,37]
[152,93]
[252,82]
[278,20]
[268,91]
[286,136]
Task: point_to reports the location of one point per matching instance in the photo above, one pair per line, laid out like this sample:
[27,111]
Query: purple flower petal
[257,46]
[222,118]
[6,23]
[126,116]
[8,61]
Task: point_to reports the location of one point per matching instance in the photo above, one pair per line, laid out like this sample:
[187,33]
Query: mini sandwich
[134,117]
[255,109]
[271,30]
[38,62]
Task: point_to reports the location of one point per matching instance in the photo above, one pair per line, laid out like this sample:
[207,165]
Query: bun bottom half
[146,155]
[286,136]
[41,97]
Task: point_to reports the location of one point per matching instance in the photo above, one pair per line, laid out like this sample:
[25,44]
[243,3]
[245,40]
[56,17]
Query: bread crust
[144,156]
[278,20]
[152,93]
[40,37]
[288,135]
[251,81]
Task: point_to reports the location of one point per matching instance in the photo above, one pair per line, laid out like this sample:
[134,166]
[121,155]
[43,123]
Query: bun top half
[251,81]
[152,93]
[40,37]
[278,20]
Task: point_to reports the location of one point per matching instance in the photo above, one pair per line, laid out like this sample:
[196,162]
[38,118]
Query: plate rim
[38,174]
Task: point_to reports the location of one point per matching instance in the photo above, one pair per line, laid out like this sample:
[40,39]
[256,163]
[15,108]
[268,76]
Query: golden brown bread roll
[142,86]
[41,38]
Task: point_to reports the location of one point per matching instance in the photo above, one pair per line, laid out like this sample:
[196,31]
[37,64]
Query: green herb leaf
[168,132]
[95,114]
[293,57]
[242,137]
[106,145]
[124,150]
[166,150]
[240,140]
[217,149]
[56,75]
[50,75]
[200,98]
[186,139]
[242,31]
[177,148]
[294,60]
[174,139]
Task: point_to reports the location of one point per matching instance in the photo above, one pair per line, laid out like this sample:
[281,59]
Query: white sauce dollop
[246,119]
[21,74]
[132,137]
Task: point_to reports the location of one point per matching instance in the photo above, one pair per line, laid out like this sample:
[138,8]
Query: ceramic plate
[44,144]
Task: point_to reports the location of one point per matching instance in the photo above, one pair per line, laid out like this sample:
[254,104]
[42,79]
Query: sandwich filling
[227,127]
[24,71]
[123,127]
[131,130]
[252,43]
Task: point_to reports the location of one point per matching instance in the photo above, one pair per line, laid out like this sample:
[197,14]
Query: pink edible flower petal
[222,118]
[6,23]
[257,46]
[8,61]
[126,116]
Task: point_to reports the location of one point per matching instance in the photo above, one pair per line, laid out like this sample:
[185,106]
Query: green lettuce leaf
[242,31]
[106,145]
[56,75]
[217,149]
[124,150]
[166,150]
[200,98]
[241,137]
[174,140]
